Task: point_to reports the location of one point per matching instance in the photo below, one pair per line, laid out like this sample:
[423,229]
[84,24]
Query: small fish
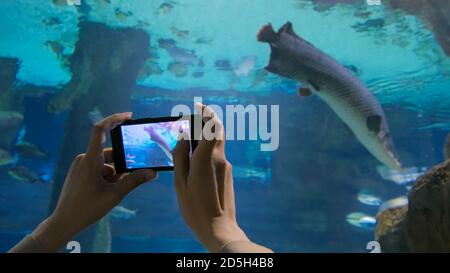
[198,74]
[297,59]
[370,24]
[361,220]
[252,173]
[56,47]
[164,9]
[121,15]
[177,69]
[150,69]
[30,150]
[445,126]
[223,65]
[142,24]
[122,213]
[245,66]
[167,43]
[52,21]
[407,175]
[394,203]
[202,41]
[447,148]
[182,34]
[362,14]
[10,119]
[368,198]
[24,174]
[95,115]
[178,54]
[260,77]
[353,68]
[5,158]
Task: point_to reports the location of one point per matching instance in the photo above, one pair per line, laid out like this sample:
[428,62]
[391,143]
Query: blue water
[294,199]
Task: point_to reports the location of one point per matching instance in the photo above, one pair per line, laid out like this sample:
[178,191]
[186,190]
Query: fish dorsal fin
[374,123]
[289,29]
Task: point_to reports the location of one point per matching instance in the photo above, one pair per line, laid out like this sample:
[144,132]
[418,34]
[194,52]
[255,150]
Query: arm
[204,187]
[92,188]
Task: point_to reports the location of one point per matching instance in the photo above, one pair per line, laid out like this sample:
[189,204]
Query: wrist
[53,233]
[226,234]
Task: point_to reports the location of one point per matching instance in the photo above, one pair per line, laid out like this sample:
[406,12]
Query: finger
[220,168]
[108,155]
[213,133]
[206,187]
[98,134]
[229,202]
[109,173]
[181,162]
[129,182]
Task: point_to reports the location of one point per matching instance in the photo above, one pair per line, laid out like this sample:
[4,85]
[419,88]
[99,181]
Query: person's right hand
[204,186]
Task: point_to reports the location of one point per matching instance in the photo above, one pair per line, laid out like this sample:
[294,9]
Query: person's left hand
[92,188]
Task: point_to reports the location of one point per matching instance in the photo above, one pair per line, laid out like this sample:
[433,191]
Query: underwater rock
[390,230]
[8,71]
[447,148]
[428,217]
[99,58]
[435,13]
[11,108]
[104,69]
[424,224]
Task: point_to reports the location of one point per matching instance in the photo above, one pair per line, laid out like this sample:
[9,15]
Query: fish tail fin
[266,34]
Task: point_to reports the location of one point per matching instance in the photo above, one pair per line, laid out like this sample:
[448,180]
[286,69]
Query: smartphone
[148,143]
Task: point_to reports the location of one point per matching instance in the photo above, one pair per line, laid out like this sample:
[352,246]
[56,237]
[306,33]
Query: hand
[204,187]
[92,188]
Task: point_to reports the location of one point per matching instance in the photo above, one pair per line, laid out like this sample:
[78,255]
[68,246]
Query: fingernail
[128,114]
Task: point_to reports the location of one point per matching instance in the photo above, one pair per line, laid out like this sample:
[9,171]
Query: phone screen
[150,145]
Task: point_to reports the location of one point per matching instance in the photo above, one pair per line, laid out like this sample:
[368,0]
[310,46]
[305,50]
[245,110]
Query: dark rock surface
[428,218]
[423,226]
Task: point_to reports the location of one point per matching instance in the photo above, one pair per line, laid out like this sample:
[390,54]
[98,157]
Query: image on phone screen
[151,145]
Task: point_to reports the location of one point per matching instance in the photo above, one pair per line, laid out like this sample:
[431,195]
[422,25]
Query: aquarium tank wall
[325,186]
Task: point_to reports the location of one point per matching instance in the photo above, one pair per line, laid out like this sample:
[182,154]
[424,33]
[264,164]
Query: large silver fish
[295,58]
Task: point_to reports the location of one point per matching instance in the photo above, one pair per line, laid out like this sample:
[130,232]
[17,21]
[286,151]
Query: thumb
[131,181]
